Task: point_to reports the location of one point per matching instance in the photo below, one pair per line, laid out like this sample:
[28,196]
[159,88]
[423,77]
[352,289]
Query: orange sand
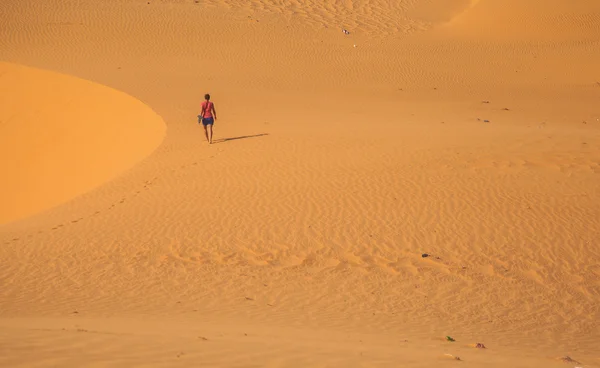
[61,136]
[297,239]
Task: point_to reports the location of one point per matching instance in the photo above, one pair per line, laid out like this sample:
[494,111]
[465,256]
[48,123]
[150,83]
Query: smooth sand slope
[468,131]
[61,136]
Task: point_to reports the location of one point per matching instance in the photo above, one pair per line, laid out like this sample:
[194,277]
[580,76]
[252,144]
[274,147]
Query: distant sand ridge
[375,18]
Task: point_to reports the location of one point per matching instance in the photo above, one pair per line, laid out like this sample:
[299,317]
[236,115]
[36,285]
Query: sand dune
[554,21]
[372,18]
[467,132]
[61,136]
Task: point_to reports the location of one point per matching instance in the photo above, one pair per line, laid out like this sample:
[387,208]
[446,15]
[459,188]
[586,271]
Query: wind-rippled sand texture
[467,132]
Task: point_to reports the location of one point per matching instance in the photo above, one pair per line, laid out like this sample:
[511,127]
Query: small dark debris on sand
[485,102]
[452,356]
[480,346]
[247,298]
[425,255]
[568,359]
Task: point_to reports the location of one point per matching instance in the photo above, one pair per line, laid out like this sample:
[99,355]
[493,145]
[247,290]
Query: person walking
[208,117]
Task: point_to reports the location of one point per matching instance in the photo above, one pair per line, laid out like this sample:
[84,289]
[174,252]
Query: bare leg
[210,133]
[206,134]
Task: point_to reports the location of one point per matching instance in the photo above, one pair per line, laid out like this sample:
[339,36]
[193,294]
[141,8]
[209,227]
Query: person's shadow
[222,140]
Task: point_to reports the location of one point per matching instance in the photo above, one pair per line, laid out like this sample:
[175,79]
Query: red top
[207,106]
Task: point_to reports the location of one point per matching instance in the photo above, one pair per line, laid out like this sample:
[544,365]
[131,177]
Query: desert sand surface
[59,139]
[467,131]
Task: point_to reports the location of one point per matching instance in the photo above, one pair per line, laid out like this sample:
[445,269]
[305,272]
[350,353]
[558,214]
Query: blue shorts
[206,121]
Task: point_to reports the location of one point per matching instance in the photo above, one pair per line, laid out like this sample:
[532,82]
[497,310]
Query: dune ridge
[369,18]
